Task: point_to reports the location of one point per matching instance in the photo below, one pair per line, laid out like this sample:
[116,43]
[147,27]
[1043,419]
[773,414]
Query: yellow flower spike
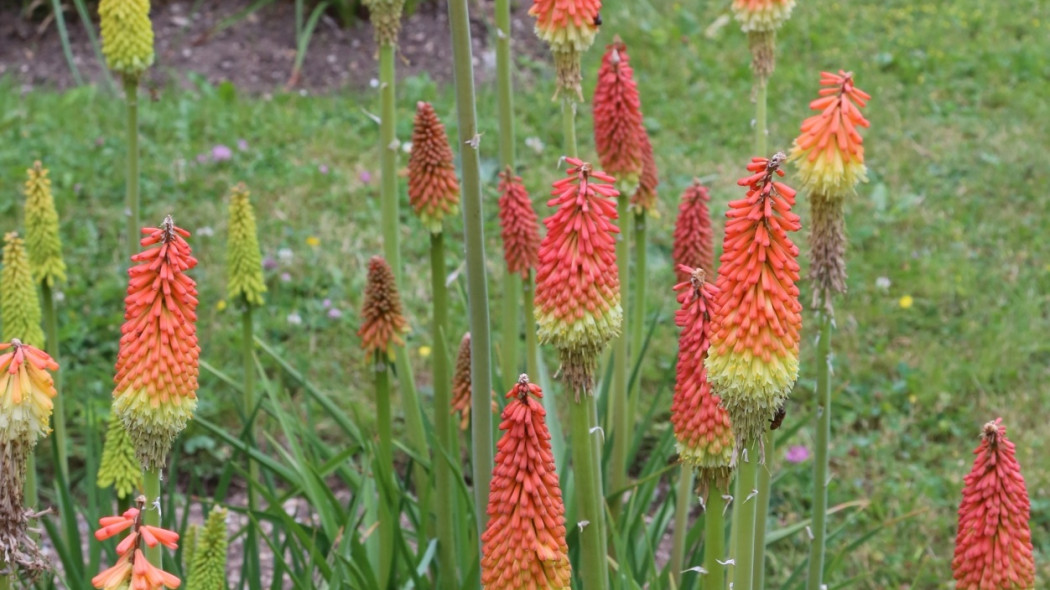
[386,19]
[127,35]
[19,306]
[119,468]
[42,238]
[243,259]
[208,568]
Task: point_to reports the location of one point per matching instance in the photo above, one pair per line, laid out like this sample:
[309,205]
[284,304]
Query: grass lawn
[946,320]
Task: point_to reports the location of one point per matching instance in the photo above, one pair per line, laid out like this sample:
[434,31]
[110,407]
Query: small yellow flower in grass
[221,305]
[424,351]
[906,302]
[313,241]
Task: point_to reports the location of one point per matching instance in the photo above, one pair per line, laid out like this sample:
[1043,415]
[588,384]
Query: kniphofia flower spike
[244,273]
[20,312]
[577,283]
[752,363]
[461,383]
[524,543]
[433,189]
[157,367]
[618,126]
[701,425]
[993,546]
[42,239]
[693,236]
[127,35]
[382,322]
[762,15]
[569,28]
[518,224]
[132,570]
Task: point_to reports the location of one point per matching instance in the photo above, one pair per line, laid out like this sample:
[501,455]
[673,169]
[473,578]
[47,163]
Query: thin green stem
[385,471]
[248,359]
[744,513]
[5,581]
[29,488]
[532,367]
[131,197]
[714,540]
[58,419]
[511,326]
[589,503]
[477,283]
[505,85]
[820,464]
[683,502]
[443,475]
[388,150]
[151,486]
[640,281]
[568,125]
[619,427]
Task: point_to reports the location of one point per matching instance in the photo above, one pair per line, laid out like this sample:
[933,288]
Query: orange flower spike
[618,126]
[524,543]
[993,546]
[26,390]
[566,25]
[701,425]
[752,362]
[577,283]
[762,15]
[382,321]
[461,383]
[157,366]
[693,236]
[830,151]
[518,224]
[132,570]
[644,198]
[433,189]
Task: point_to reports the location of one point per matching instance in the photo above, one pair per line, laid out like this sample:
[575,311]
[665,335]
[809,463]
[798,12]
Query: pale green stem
[765,471]
[505,91]
[683,501]
[248,359]
[477,283]
[388,518]
[532,366]
[714,540]
[744,514]
[443,475]
[511,312]
[820,464]
[58,419]
[640,281]
[619,427]
[151,517]
[29,489]
[589,502]
[5,580]
[568,125]
[131,198]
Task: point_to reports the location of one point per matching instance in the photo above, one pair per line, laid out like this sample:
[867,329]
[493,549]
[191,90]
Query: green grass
[954,217]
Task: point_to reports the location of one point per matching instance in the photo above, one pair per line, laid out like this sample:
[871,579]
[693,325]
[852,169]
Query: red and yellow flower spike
[618,126]
[752,363]
[993,546]
[461,383]
[433,189]
[643,201]
[701,425]
[569,28]
[693,236]
[382,322]
[577,283]
[830,151]
[519,225]
[762,15]
[157,366]
[524,543]
[132,570]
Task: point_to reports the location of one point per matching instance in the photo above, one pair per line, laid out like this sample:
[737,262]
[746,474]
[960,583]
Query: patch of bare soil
[256,53]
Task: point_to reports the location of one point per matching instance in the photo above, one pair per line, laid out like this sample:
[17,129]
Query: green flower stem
[29,488]
[820,464]
[568,125]
[131,197]
[59,417]
[5,581]
[744,514]
[388,519]
[714,540]
[683,500]
[532,367]
[583,415]
[640,280]
[443,474]
[765,471]
[511,325]
[477,283]
[151,512]
[619,416]
[248,358]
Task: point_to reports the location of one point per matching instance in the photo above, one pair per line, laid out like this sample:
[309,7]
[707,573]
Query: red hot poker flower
[830,151]
[762,15]
[433,189]
[568,26]
[524,543]
[132,569]
[693,237]
[644,198]
[993,547]
[577,283]
[519,225]
[701,425]
[753,360]
[618,126]
[157,366]
[461,383]
[382,322]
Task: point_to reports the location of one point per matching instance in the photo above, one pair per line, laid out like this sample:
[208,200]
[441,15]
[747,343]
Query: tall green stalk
[640,280]
[58,418]
[683,497]
[151,512]
[512,289]
[443,474]
[820,464]
[510,361]
[131,196]
[477,283]
[758,573]
[744,515]
[714,540]
[619,427]
[385,468]
[248,360]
